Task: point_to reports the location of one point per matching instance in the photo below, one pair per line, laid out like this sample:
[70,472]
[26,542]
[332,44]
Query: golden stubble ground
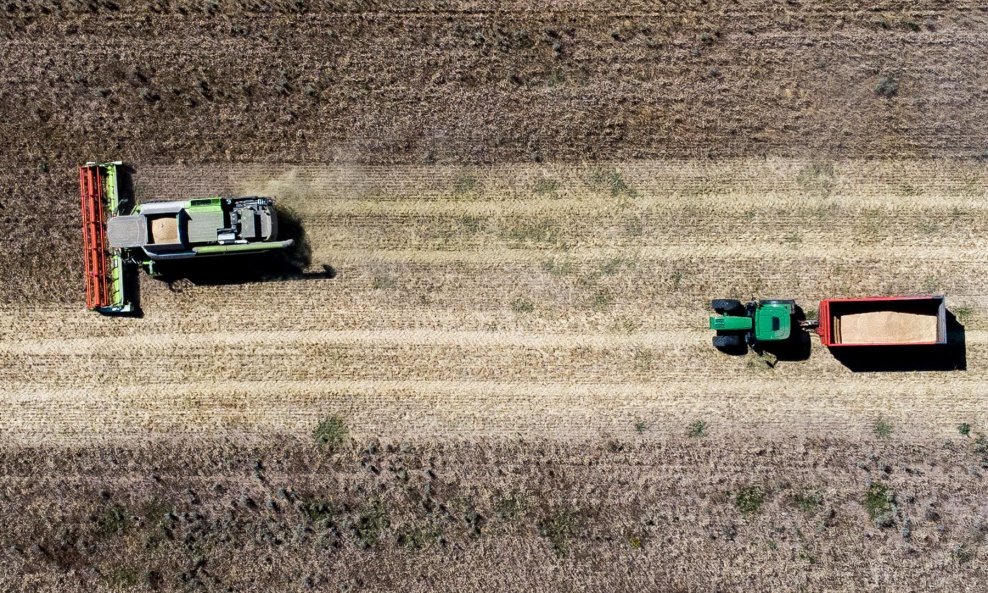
[559,301]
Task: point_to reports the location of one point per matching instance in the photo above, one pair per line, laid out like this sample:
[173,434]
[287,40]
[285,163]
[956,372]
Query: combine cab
[117,238]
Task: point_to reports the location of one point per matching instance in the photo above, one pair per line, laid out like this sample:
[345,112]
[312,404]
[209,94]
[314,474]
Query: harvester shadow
[269,266]
[951,356]
[132,278]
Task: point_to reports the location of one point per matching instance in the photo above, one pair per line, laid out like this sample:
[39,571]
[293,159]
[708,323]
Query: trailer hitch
[809,323]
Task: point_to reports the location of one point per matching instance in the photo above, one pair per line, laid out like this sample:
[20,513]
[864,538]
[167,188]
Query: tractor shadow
[898,359]
[270,266]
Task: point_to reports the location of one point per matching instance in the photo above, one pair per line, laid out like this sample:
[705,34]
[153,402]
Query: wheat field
[485,366]
[557,301]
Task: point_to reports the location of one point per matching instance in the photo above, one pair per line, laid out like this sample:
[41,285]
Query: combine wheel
[727,306]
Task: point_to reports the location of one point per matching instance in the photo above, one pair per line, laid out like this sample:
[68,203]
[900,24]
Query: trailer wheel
[728,342]
[727,306]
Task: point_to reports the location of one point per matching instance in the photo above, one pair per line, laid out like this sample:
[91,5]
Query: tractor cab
[773,321]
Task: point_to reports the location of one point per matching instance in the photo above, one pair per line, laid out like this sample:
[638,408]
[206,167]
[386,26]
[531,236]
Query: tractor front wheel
[727,306]
[729,342]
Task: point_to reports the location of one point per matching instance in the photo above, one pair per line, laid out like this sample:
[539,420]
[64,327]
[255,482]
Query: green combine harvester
[119,238]
[740,326]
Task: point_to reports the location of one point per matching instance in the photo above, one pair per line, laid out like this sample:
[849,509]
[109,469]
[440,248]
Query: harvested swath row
[619,227]
[352,228]
[368,309]
[919,406]
[409,355]
[758,182]
[619,515]
[320,358]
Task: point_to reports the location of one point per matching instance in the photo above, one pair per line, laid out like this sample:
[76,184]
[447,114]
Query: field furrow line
[966,254]
[280,339]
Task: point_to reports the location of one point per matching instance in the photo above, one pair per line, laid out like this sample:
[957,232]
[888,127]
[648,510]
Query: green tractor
[740,326]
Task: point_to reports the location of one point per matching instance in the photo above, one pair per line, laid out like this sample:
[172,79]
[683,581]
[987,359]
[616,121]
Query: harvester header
[106,289]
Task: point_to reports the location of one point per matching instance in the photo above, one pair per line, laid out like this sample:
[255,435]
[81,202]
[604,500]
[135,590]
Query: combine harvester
[843,324]
[118,238]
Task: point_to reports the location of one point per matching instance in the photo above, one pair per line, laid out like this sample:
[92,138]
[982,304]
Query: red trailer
[883,321]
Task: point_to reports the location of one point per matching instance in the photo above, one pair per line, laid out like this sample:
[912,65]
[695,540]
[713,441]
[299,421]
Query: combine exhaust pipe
[104,267]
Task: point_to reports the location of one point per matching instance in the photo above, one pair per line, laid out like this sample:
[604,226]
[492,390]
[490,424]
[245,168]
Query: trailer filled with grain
[883,321]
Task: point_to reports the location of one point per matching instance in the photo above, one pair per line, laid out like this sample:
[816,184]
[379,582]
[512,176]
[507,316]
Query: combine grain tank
[883,321]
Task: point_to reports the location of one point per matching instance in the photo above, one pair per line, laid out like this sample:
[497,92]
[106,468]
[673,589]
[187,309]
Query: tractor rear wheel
[728,342]
[727,306]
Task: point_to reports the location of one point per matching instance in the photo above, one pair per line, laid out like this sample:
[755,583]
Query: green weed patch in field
[749,499]
[331,432]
